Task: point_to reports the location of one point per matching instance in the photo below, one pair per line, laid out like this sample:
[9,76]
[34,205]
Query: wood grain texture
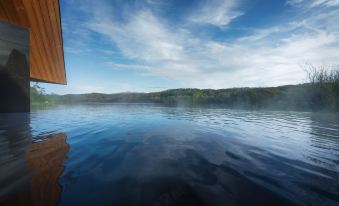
[42,18]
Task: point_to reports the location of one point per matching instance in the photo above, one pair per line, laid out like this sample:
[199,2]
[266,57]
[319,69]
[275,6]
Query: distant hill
[307,97]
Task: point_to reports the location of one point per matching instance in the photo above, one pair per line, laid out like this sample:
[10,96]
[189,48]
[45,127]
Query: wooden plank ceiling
[42,18]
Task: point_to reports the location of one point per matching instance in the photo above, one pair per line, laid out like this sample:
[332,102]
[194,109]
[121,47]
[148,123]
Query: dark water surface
[134,154]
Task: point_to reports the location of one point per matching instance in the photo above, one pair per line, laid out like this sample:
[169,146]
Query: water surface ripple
[143,154]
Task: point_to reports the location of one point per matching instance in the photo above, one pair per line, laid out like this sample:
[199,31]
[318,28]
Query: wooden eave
[42,19]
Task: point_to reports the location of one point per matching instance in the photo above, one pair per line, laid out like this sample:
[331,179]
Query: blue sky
[150,45]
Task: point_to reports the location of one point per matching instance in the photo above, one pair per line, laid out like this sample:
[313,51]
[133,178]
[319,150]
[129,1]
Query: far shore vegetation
[321,93]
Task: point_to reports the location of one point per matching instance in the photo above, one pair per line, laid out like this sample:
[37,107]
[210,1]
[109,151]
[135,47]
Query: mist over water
[144,154]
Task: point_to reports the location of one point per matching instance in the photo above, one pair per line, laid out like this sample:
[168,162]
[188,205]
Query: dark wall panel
[14,69]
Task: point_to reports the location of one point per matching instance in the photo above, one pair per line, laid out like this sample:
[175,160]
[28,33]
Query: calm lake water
[139,154]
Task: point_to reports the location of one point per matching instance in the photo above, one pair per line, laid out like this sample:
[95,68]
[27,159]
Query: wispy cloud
[216,12]
[313,3]
[117,66]
[266,57]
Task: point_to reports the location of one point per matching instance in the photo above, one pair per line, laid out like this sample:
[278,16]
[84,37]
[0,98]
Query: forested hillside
[322,93]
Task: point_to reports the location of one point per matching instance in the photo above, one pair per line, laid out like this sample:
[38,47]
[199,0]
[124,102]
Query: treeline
[321,93]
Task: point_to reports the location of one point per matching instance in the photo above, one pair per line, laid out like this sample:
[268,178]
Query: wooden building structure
[30,28]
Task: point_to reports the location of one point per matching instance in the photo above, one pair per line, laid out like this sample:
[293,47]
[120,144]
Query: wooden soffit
[42,19]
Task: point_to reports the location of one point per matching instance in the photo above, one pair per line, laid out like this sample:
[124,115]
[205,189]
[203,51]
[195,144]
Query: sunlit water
[140,154]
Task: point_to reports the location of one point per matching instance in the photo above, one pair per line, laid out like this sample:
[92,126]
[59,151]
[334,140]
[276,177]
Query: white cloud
[216,12]
[313,3]
[325,2]
[142,37]
[260,59]
[117,66]
[294,2]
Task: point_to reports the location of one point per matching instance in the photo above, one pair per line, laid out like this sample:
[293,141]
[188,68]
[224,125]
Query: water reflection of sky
[145,153]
